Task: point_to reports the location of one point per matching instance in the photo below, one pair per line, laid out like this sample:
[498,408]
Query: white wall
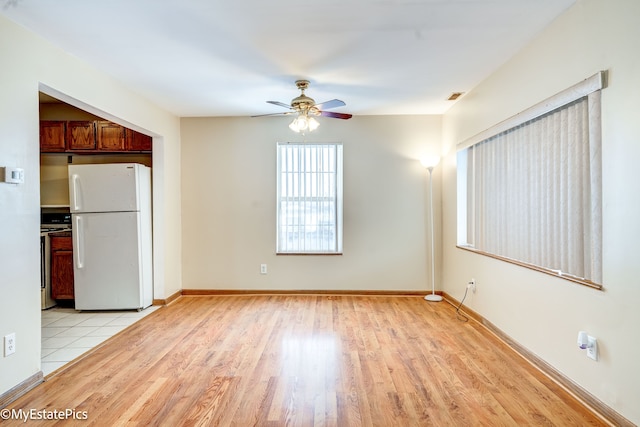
[229,210]
[541,312]
[30,64]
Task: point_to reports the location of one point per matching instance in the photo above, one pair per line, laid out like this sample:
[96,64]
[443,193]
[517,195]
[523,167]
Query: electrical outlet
[263,268]
[9,344]
[472,285]
[592,348]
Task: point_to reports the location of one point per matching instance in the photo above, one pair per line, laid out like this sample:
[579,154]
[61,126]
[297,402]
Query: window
[309,199]
[530,189]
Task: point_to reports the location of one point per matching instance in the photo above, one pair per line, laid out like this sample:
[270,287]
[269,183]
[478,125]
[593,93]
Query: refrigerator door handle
[79,249]
[74,185]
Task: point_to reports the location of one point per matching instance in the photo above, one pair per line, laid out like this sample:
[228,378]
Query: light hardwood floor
[302,361]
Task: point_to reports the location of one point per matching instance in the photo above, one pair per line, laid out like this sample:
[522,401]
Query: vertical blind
[533,192]
[309,199]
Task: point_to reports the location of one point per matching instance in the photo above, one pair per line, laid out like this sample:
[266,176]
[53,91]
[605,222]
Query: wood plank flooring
[305,361]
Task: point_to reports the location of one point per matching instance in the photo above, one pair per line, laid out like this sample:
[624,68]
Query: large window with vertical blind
[529,190]
[309,198]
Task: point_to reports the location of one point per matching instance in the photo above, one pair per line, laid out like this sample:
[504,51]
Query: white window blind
[309,198]
[532,192]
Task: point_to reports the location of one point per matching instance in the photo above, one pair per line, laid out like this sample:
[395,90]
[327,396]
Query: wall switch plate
[9,344]
[263,268]
[592,348]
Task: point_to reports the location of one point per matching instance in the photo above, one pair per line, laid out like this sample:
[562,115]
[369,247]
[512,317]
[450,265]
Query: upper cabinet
[52,136]
[110,136]
[90,137]
[81,135]
[136,141]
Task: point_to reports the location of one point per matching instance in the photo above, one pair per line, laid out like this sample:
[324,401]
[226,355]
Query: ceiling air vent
[454,96]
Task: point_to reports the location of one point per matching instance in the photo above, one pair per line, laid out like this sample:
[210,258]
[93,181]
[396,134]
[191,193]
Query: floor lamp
[429,163]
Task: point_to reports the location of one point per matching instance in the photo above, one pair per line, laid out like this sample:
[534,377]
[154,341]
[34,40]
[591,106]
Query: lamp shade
[430,161]
[293,126]
[313,124]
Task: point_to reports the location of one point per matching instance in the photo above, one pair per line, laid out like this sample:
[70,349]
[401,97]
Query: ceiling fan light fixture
[305,108]
[304,122]
[299,124]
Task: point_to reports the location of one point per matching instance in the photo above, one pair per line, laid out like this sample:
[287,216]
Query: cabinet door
[137,141]
[62,268]
[52,136]
[81,135]
[110,136]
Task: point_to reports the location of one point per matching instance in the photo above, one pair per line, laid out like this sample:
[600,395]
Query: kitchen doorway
[67,333]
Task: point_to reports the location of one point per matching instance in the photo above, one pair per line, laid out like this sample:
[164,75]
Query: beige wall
[541,312]
[229,210]
[30,64]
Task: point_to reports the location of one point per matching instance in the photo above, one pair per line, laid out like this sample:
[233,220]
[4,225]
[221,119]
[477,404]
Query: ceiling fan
[306,108]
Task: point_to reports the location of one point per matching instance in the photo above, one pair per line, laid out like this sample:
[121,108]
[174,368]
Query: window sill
[309,253]
[550,272]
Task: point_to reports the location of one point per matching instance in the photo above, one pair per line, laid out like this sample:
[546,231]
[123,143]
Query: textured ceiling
[226,58]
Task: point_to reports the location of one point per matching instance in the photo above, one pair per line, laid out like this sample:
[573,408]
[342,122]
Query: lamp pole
[432,296]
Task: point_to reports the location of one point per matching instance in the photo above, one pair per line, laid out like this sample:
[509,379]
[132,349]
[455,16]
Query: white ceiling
[226,57]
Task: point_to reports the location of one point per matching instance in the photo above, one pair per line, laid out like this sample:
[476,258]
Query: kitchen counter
[60,234]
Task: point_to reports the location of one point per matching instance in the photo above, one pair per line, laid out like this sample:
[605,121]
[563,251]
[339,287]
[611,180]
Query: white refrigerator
[112,239]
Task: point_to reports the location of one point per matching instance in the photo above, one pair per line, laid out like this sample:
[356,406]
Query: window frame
[336,197]
[591,90]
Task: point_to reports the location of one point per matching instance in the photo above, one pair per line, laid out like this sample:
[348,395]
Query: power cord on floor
[459,315]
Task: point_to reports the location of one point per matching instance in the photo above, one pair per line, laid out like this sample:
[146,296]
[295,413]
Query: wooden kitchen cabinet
[137,141]
[81,135]
[62,266]
[52,136]
[111,136]
[91,137]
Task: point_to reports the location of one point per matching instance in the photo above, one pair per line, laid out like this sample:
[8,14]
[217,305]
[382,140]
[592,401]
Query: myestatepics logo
[43,414]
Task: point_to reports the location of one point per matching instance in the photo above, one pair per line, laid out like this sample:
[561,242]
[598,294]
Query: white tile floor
[67,333]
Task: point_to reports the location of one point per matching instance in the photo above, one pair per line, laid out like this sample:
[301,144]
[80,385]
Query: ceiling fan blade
[335,115]
[281,104]
[286,113]
[330,104]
